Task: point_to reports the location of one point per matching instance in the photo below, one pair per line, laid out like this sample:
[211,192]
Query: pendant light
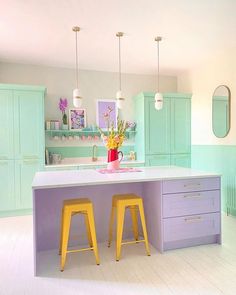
[77,99]
[158,95]
[119,98]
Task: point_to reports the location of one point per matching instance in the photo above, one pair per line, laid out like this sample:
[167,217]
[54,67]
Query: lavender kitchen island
[182,206]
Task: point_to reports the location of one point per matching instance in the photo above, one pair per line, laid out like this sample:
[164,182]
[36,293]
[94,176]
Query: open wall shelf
[129,134]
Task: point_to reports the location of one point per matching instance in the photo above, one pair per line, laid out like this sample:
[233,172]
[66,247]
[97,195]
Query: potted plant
[62,106]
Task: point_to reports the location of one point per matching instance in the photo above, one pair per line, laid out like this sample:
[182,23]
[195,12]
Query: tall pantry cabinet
[163,137]
[21,145]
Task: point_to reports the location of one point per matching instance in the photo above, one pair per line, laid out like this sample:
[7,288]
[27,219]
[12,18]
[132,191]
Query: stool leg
[112,217]
[61,233]
[142,217]
[65,237]
[88,230]
[120,223]
[93,234]
[134,217]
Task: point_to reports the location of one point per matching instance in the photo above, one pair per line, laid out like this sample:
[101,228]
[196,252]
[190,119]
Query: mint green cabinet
[157,127]
[7,125]
[180,125]
[183,160]
[7,197]
[157,160]
[163,137]
[24,174]
[22,141]
[29,124]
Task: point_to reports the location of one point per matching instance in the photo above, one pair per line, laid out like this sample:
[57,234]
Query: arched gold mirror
[221,111]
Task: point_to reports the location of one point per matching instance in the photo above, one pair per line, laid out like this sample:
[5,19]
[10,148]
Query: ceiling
[40,32]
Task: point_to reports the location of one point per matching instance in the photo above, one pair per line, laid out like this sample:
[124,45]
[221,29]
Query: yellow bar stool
[135,204]
[71,207]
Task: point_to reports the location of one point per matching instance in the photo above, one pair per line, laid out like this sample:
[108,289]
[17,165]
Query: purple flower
[63,104]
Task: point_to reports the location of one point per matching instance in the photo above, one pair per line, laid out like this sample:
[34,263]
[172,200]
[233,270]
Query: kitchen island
[182,206]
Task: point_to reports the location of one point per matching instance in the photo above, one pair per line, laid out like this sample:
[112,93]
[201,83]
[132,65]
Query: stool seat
[70,208]
[135,204]
[127,199]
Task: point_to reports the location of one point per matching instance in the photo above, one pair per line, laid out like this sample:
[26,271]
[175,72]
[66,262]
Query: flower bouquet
[113,139]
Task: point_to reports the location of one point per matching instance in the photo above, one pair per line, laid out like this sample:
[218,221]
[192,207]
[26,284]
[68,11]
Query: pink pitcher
[113,159]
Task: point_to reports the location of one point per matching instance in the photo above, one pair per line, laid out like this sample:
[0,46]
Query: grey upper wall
[94,85]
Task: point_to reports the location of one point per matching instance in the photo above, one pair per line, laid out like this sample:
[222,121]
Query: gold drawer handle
[193,219]
[28,161]
[192,184]
[198,196]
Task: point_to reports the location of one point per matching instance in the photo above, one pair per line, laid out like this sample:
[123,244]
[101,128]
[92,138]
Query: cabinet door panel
[182,160]
[6,126]
[157,128]
[180,125]
[24,174]
[157,160]
[7,200]
[29,124]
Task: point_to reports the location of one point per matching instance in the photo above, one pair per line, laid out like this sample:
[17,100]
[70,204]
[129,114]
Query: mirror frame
[229,110]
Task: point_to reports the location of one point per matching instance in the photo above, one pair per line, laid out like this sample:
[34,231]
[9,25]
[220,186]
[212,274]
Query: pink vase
[113,159]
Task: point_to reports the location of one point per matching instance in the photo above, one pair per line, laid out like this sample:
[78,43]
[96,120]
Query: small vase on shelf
[64,122]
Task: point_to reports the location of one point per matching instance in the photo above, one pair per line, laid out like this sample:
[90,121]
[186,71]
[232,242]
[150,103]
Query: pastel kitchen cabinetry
[22,144]
[188,211]
[163,137]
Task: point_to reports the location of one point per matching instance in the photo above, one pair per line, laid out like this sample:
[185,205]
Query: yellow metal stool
[70,208]
[119,204]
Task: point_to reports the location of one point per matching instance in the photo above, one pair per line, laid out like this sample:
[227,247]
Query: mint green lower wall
[85,151]
[220,159]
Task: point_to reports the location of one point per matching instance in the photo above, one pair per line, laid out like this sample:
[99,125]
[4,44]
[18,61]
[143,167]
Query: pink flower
[63,104]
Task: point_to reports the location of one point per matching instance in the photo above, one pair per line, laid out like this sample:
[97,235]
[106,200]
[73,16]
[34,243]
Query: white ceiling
[40,32]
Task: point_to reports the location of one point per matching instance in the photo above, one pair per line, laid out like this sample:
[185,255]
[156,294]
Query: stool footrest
[79,250]
[133,242]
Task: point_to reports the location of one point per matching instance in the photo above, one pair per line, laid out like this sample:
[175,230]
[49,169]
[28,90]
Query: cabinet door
[180,125]
[24,174]
[29,124]
[6,126]
[157,160]
[182,160]
[157,128]
[7,199]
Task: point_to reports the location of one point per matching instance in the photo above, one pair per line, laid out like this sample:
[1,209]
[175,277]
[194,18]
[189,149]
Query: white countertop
[55,179]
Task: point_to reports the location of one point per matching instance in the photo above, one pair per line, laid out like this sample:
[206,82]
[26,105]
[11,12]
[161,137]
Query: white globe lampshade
[119,100]
[158,101]
[77,99]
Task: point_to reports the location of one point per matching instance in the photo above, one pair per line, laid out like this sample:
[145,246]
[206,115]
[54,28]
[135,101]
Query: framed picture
[106,110]
[77,119]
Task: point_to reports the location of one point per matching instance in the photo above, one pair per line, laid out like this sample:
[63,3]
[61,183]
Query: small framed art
[106,110]
[77,119]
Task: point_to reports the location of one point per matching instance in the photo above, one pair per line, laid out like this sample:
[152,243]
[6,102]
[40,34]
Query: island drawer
[191,203]
[190,185]
[194,226]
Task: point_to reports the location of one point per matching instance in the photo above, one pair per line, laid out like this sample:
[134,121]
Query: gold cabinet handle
[29,161]
[192,184]
[30,157]
[195,196]
[193,219]
[3,158]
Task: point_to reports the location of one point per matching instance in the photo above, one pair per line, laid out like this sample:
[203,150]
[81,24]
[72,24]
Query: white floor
[199,270]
